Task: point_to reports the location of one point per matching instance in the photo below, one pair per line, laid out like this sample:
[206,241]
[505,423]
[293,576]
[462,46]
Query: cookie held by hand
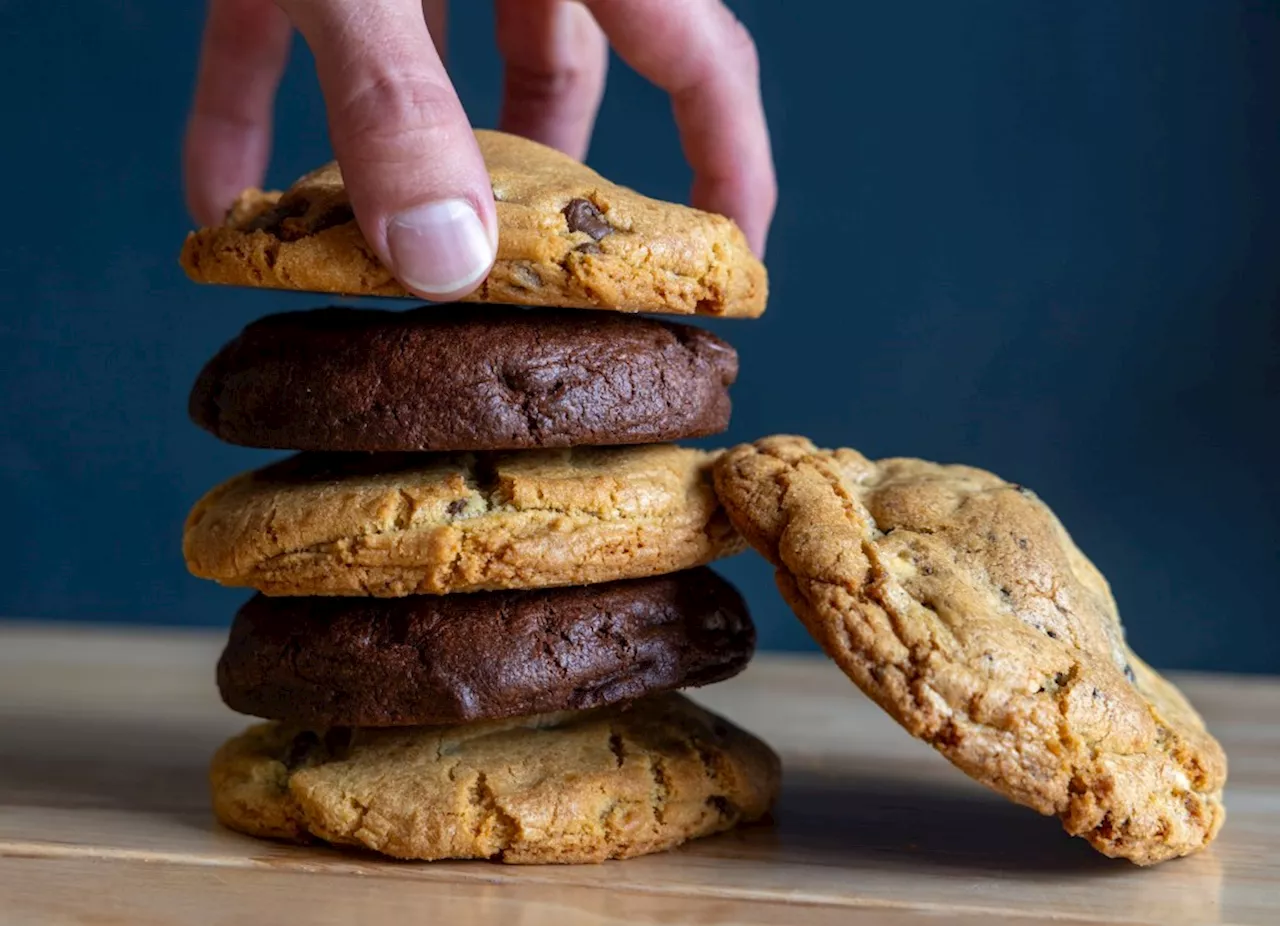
[567,237]
[960,604]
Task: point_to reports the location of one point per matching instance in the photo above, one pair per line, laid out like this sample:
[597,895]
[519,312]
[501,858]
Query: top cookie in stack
[567,238]
[500,451]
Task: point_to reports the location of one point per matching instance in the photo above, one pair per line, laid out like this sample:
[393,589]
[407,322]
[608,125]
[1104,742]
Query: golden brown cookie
[403,524]
[551,788]
[959,603]
[566,237]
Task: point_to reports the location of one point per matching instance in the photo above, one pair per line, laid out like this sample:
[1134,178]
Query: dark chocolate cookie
[463,378]
[454,658]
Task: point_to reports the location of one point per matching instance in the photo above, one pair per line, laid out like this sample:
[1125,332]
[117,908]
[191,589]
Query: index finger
[706,60]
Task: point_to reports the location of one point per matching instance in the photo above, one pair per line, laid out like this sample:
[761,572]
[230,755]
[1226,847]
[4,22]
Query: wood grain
[105,736]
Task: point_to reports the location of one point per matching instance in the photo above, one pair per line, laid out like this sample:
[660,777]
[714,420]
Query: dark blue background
[1039,237]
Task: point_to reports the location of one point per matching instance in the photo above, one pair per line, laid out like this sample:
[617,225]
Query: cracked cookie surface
[566,237]
[960,604]
[552,788]
[437,659]
[463,378]
[390,525]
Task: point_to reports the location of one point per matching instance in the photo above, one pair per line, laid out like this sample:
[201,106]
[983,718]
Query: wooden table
[105,734]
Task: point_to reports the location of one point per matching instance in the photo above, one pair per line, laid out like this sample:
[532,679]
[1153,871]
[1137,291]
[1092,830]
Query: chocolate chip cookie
[463,378]
[390,525]
[960,604]
[576,787]
[445,659]
[566,237]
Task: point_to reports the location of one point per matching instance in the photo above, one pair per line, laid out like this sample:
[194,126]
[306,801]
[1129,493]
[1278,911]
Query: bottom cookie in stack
[525,727]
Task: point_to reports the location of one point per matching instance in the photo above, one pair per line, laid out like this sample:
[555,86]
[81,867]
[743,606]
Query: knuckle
[390,106]
[539,87]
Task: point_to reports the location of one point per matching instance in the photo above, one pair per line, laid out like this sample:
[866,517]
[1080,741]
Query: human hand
[417,182]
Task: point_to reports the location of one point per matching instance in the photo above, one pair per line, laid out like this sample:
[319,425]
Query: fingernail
[440,249]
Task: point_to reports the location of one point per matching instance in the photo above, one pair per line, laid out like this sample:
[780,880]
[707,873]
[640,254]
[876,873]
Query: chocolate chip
[457,506]
[1128,673]
[582,215]
[271,220]
[588,247]
[301,748]
[291,230]
[339,214]
[525,276]
[263,221]
[721,805]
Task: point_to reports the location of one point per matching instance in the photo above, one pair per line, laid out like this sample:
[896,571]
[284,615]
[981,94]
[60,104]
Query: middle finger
[556,60]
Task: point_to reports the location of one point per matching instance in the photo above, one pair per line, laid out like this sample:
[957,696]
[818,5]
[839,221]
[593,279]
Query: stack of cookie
[482,578]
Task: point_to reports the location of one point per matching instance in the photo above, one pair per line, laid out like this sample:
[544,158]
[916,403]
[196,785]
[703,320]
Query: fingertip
[757,232]
[410,160]
[749,205]
[706,59]
[441,250]
[757,236]
[221,159]
[200,199]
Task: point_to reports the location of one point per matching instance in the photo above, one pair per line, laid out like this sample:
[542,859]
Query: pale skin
[417,183]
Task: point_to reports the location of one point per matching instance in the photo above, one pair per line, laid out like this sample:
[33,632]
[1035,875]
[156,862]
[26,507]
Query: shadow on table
[79,761]
[919,823]
[943,839]
[836,830]
[161,766]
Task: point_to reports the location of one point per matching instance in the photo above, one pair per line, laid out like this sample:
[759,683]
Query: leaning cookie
[960,604]
[447,659]
[551,788]
[390,525]
[463,378]
[566,237]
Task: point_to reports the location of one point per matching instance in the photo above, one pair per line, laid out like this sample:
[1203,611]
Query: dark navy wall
[1041,237]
